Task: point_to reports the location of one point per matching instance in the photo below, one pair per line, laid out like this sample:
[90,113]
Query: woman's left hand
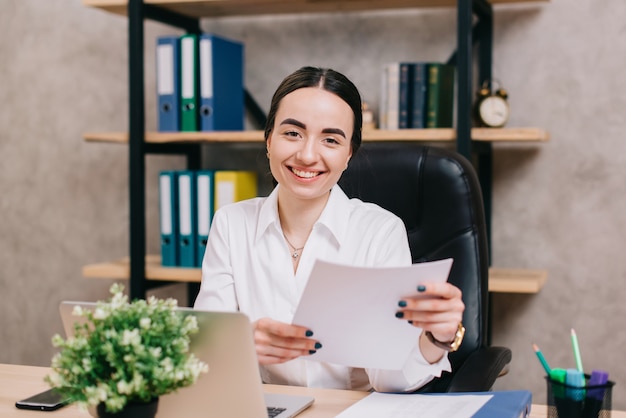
[436,307]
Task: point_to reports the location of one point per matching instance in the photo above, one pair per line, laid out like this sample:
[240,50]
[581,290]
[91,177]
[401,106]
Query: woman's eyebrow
[295,122]
[334,131]
[290,121]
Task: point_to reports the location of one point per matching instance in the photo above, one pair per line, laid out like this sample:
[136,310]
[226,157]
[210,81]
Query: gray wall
[558,206]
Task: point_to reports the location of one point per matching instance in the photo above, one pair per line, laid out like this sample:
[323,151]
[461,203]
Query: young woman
[261,251]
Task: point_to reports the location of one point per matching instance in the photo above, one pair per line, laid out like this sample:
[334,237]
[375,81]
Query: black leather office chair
[437,195]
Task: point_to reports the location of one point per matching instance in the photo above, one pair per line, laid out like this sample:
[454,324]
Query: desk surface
[18,382]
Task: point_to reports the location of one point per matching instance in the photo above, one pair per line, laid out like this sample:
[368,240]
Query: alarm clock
[491,108]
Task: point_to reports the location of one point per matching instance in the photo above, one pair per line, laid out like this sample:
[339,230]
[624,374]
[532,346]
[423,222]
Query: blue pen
[565,406]
[575,385]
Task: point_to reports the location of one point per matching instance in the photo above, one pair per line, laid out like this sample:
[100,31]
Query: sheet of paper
[388,405]
[351,311]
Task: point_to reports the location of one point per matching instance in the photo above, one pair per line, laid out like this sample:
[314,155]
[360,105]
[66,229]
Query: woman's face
[309,146]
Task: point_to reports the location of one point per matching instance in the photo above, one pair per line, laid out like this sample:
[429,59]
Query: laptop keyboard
[273,412]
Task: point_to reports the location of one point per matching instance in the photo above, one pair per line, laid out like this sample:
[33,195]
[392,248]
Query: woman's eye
[331,140]
[291,133]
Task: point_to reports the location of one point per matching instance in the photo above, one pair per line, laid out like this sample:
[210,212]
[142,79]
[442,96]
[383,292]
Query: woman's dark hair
[326,79]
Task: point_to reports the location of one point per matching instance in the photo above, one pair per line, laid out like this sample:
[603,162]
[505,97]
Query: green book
[440,95]
[189,83]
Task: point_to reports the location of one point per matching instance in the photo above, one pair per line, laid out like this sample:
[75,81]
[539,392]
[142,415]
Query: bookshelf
[474,31]
[220,8]
[444,135]
[500,280]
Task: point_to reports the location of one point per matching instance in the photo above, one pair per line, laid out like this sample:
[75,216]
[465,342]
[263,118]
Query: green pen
[542,359]
[557,383]
[558,376]
[579,362]
[565,406]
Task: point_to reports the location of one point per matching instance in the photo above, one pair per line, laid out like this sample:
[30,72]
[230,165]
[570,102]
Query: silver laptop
[232,387]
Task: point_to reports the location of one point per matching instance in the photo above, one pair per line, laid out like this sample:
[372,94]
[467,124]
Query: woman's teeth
[305,174]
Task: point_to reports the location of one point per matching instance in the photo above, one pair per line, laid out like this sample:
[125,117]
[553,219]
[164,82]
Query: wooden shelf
[500,280]
[120,269]
[221,8]
[495,135]
[516,280]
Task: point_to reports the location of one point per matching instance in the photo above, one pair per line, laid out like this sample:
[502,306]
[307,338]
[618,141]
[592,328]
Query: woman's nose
[308,151]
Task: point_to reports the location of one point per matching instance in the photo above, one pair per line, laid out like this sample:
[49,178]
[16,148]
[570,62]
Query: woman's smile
[305,174]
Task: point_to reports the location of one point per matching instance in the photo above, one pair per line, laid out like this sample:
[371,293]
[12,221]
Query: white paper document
[351,311]
[388,405]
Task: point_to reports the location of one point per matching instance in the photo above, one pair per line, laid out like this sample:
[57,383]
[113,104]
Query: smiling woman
[261,251]
[308,150]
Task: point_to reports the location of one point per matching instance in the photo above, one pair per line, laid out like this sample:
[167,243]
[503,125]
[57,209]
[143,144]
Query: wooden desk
[18,382]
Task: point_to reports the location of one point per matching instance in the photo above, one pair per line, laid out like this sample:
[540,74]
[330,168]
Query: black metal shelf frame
[138,149]
[469,36]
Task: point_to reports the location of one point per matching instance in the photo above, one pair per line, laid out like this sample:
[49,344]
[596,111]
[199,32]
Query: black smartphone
[48,400]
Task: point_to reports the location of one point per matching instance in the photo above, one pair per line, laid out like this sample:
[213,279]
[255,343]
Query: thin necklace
[295,253]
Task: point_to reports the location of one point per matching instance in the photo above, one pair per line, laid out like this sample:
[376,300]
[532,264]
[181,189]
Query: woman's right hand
[277,342]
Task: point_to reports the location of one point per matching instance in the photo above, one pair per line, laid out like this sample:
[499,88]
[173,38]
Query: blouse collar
[334,217]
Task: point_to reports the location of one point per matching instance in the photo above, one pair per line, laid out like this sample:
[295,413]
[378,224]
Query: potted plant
[125,355]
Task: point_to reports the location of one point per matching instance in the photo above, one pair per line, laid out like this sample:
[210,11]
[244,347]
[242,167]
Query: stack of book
[200,83]
[417,95]
[187,201]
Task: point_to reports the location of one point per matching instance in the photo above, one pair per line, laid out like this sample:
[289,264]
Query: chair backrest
[437,194]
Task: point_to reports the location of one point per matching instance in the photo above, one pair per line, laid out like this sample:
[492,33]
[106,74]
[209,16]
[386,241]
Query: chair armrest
[480,370]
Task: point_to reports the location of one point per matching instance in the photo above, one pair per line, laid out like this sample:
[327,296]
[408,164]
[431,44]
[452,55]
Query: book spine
[440,93]
[419,90]
[189,82]
[405,95]
[393,90]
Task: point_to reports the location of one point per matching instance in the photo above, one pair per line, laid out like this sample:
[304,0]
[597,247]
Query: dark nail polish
[399,314]
[318,346]
[421,288]
[410,322]
[402,303]
[308,333]
[312,351]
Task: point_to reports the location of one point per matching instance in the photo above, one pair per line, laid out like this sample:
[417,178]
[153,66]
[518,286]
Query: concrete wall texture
[557,206]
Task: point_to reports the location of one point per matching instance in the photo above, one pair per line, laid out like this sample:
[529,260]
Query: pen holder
[566,401]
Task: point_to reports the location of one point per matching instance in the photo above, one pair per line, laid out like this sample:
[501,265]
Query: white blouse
[248,267]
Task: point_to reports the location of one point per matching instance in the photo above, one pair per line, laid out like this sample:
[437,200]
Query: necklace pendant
[295,255]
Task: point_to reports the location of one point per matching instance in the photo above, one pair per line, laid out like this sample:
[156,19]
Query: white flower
[100,313]
[57,340]
[138,381]
[96,394]
[116,402]
[167,365]
[145,322]
[156,352]
[55,379]
[131,337]
[87,365]
[124,387]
